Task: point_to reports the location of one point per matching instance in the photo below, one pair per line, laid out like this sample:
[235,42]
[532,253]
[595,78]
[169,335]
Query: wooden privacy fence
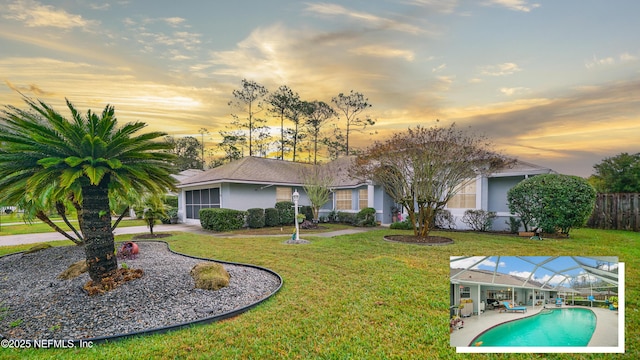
[620,211]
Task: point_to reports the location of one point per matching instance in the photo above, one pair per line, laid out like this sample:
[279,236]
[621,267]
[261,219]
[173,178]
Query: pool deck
[605,334]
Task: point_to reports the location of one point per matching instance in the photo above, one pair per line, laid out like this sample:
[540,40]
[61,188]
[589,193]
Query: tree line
[304,125]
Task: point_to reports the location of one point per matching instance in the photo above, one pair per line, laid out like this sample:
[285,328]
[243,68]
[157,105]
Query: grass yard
[353,296]
[40,227]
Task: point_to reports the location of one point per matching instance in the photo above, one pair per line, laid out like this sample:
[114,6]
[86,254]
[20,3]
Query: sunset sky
[555,83]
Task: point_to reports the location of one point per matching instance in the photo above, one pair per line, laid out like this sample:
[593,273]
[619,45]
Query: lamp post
[296,197]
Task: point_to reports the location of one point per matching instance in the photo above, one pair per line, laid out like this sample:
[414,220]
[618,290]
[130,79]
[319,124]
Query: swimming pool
[550,327]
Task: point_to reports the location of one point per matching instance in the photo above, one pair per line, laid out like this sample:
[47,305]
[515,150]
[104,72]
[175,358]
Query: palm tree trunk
[96,227]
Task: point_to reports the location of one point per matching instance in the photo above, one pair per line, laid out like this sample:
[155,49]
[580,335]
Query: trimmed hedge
[402,225]
[366,217]
[271,217]
[285,212]
[346,218]
[221,219]
[255,218]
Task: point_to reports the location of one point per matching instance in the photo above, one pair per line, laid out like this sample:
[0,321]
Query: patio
[605,334]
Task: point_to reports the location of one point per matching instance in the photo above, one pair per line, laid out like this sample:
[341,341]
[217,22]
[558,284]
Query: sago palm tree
[48,159]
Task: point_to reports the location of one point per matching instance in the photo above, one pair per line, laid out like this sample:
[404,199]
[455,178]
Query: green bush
[346,218]
[514,224]
[552,202]
[171,213]
[307,211]
[255,218]
[271,217]
[479,220]
[366,217]
[221,219]
[285,212]
[402,225]
[171,200]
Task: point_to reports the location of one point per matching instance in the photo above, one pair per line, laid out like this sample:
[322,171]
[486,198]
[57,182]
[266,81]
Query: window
[283,194]
[465,198]
[363,198]
[500,294]
[201,199]
[465,292]
[343,200]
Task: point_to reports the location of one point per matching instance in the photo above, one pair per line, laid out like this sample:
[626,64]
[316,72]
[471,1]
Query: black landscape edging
[161,330]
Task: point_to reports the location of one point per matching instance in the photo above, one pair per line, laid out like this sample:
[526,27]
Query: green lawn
[355,297]
[40,227]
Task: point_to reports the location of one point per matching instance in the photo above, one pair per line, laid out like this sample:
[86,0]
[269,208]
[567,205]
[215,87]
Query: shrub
[479,220]
[514,224]
[333,216]
[444,220]
[171,200]
[366,217]
[556,202]
[271,217]
[307,211]
[255,218]
[210,276]
[402,225]
[346,218]
[221,219]
[285,212]
[171,216]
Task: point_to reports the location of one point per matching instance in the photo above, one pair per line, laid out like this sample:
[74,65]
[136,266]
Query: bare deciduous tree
[317,184]
[422,168]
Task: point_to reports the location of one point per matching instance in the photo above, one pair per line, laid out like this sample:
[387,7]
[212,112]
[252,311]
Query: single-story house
[254,182]
[479,286]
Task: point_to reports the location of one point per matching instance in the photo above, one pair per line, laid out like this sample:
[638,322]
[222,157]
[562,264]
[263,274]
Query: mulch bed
[419,240]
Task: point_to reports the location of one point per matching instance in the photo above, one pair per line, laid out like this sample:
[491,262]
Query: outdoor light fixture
[296,197]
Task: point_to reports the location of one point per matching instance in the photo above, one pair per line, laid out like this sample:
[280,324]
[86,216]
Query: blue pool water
[551,327]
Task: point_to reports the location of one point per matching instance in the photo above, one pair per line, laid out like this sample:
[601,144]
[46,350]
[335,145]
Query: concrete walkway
[8,240]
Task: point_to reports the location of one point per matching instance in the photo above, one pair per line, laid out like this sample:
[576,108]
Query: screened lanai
[483,281]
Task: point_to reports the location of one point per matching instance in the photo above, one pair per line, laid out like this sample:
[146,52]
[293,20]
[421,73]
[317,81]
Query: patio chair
[509,308]
[558,302]
[492,303]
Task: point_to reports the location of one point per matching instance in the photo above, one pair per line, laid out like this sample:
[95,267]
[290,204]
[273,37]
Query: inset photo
[536,304]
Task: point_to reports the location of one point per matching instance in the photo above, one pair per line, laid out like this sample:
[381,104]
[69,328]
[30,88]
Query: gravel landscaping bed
[35,304]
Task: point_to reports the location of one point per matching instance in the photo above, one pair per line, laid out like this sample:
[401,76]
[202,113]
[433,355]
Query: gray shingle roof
[521,168]
[271,171]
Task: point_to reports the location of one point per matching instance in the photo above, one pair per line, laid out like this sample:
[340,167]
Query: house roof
[522,168]
[487,277]
[274,171]
[271,171]
[185,174]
